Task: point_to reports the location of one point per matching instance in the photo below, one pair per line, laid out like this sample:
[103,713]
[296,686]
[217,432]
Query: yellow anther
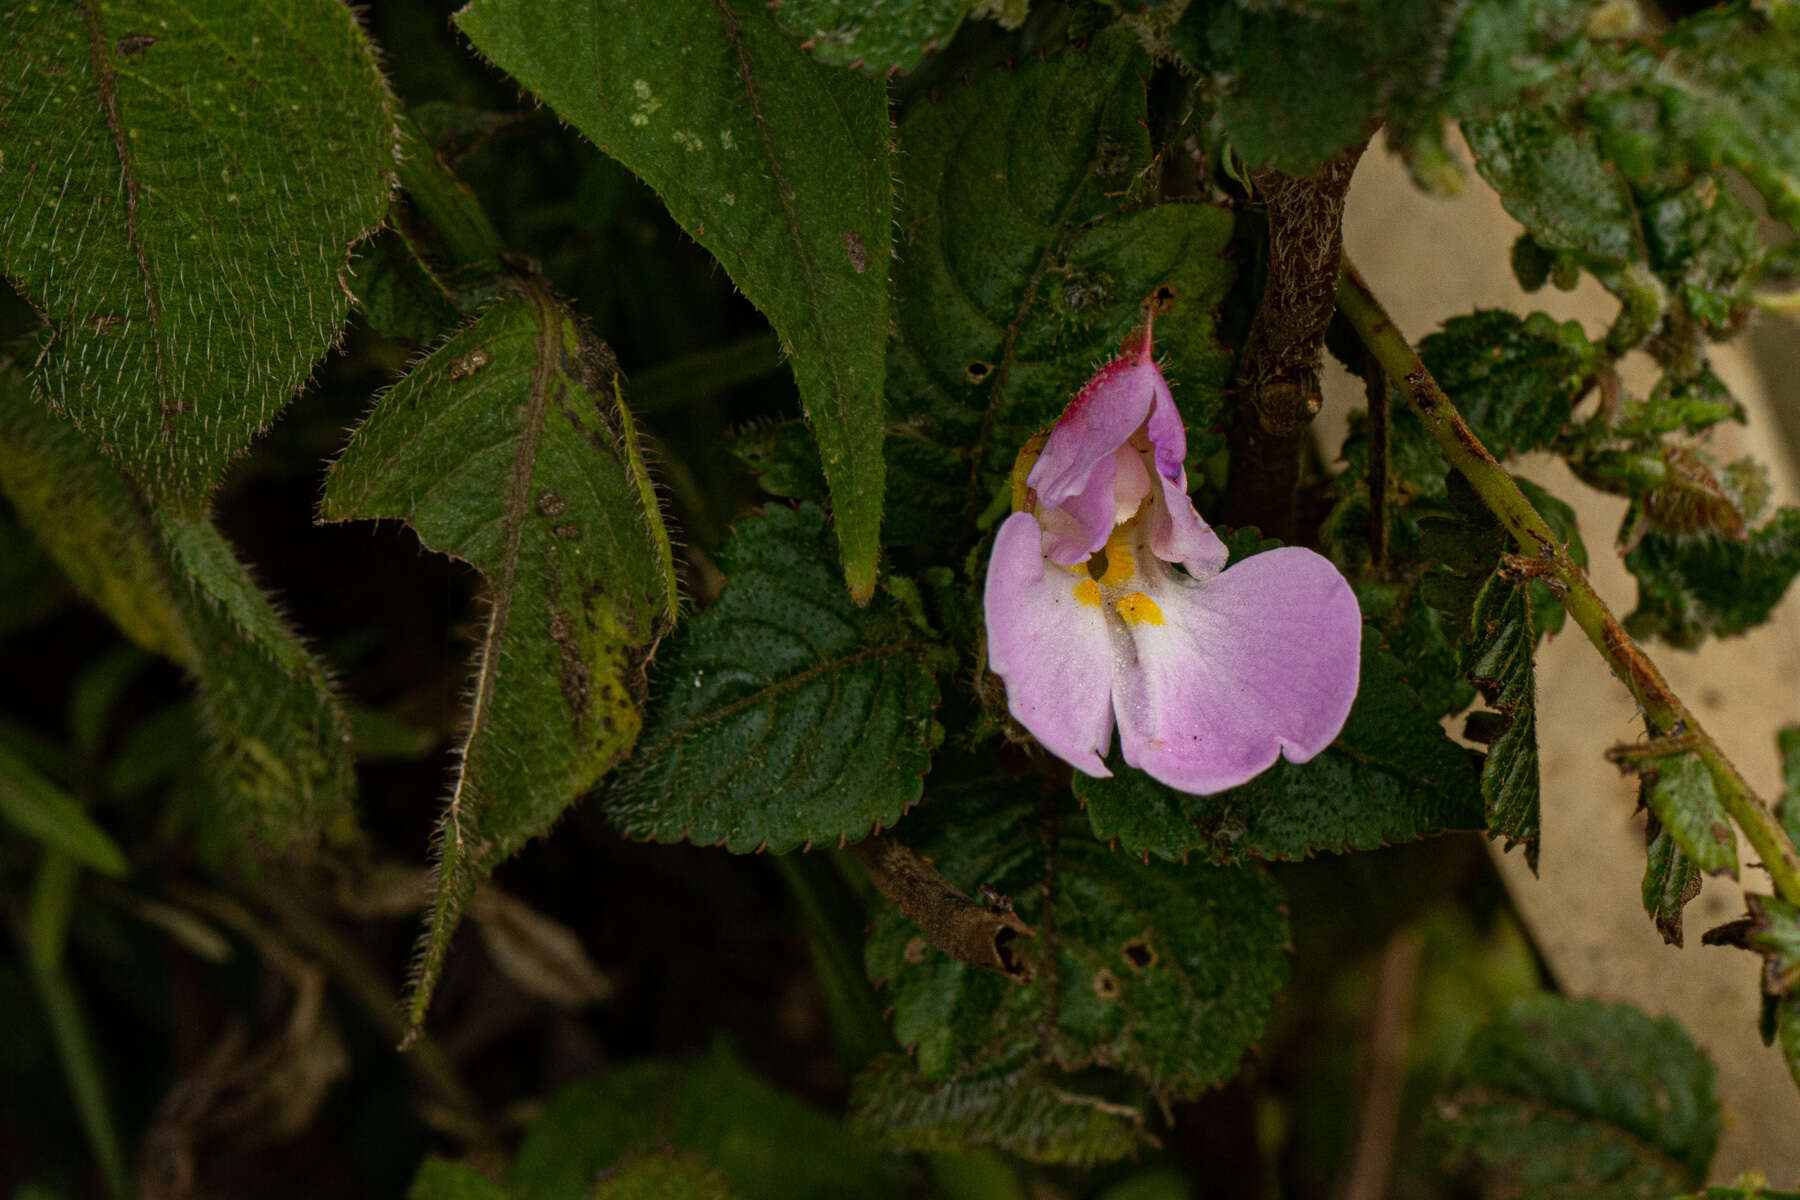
[1088,592]
[1120,567]
[1136,608]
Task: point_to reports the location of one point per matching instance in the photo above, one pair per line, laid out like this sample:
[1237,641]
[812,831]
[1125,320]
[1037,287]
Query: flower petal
[1050,645]
[1259,661]
[1176,532]
[1101,418]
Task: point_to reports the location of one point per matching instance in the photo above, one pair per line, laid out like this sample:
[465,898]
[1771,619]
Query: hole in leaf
[1162,300]
[1106,984]
[977,371]
[1139,954]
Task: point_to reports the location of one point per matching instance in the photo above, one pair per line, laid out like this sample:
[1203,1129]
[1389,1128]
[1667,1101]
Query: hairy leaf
[785,715]
[184,182]
[39,809]
[1033,1112]
[1679,789]
[767,1145]
[879,34]
[510,447]
[1555,181]
[1692,585]
[1514,378]
[278,754]
[713,107]
[1391,776]
[661,1176]
[1498,657]
[1671,880]
[1577,1100]
[1165,973]
[1025,255]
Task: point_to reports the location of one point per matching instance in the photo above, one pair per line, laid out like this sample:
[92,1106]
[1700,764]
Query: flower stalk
[1664,712]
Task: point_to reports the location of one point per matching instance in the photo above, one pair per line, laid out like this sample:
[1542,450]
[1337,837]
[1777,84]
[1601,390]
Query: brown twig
[1390,1021]
[970,932]
[1375,386]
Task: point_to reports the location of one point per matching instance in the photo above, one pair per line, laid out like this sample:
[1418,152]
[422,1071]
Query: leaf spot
[857,250]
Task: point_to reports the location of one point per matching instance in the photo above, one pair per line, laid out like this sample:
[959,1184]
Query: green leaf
[1577,1100]
[1164,973]
[1787,741]
[1514,378]
[1691,585]
[185,182]
[1747,1187]
[767,1145]
[1025,255]
[1032,1112]
[38,808]
[1391,776]
[1679,789]
[278,752]
[1553,179]
[714,108]
[1787,1032]
[1670,880]
[880,35]
[441,1179]
[661,1177]
[1498,656]
[785,715]
[511,448]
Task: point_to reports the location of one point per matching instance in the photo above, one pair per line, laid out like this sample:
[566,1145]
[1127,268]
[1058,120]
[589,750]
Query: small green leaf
[712,106]
[1787,741]
[1498,657]
[1033,1112]
[1787,1032]
[879,34]
[1747,1187]
[39,809]
[1577,1100]
[441,1179]
[1167,974]
[1513,378]
[1553,179]
[511,448]
[1690,586]
[185,181]
[661,1177]
[1670,880]
[1679,789]
[785,715]
[1391,776]
[767,1145]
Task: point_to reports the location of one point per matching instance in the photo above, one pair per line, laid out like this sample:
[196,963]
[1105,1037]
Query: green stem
[668,385]
[1664,712]
[855,1014]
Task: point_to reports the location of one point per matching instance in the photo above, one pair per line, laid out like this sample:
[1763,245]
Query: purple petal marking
[1101,418]
[1050,648]
[1258,662]
[1167,437]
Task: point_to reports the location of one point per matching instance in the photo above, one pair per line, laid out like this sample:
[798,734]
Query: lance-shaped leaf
[511,448]
[1165,973]
[39,809]
[1679,790]
[785,715]
[278,741]
[182,184]
[1671,880]
[1498,658]
[878,34]
[1575,1100]
[779,165]
[1391,776]
[1788,743]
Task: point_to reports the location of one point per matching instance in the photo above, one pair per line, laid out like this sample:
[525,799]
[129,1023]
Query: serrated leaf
[767,1145]
[36,807]
[1693,585]
[1514,378]
[185,181]
[1577,1100]
[510,447]
[785,715]
[879,34]
[1031,1112]
[1679,789]
[661,1177]
[1025,255]
[1554,180]
[1498,656]
[1164,973]
[1671,880]
[713,107]
[440,1179]
[1391,776]
[278,753]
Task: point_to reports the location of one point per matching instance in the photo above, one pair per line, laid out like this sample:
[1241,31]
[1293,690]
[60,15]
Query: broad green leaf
[785,715]
[1670,880]
[1690,586]
[39,809]
[1025,255]
[1555,181]
[511,448]
[712,106]
[1679,789]
[1391,776]
[1033,1112]
[1164,973]
[1513,378]
[767,1146]
[1788,743]
[1498,657]
[278,743]
[441,1179]
[184,182]
[1577,1100]
[661,1177]
[878,34]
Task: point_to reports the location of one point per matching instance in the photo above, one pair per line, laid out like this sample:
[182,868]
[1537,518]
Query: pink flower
[1107,599]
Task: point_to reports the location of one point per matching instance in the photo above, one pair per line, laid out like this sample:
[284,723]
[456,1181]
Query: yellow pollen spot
[1120,567]
[1139,609]
[1088,592]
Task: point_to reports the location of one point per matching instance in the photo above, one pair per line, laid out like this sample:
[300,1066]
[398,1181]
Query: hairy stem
[1278,374]
[1664,712]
